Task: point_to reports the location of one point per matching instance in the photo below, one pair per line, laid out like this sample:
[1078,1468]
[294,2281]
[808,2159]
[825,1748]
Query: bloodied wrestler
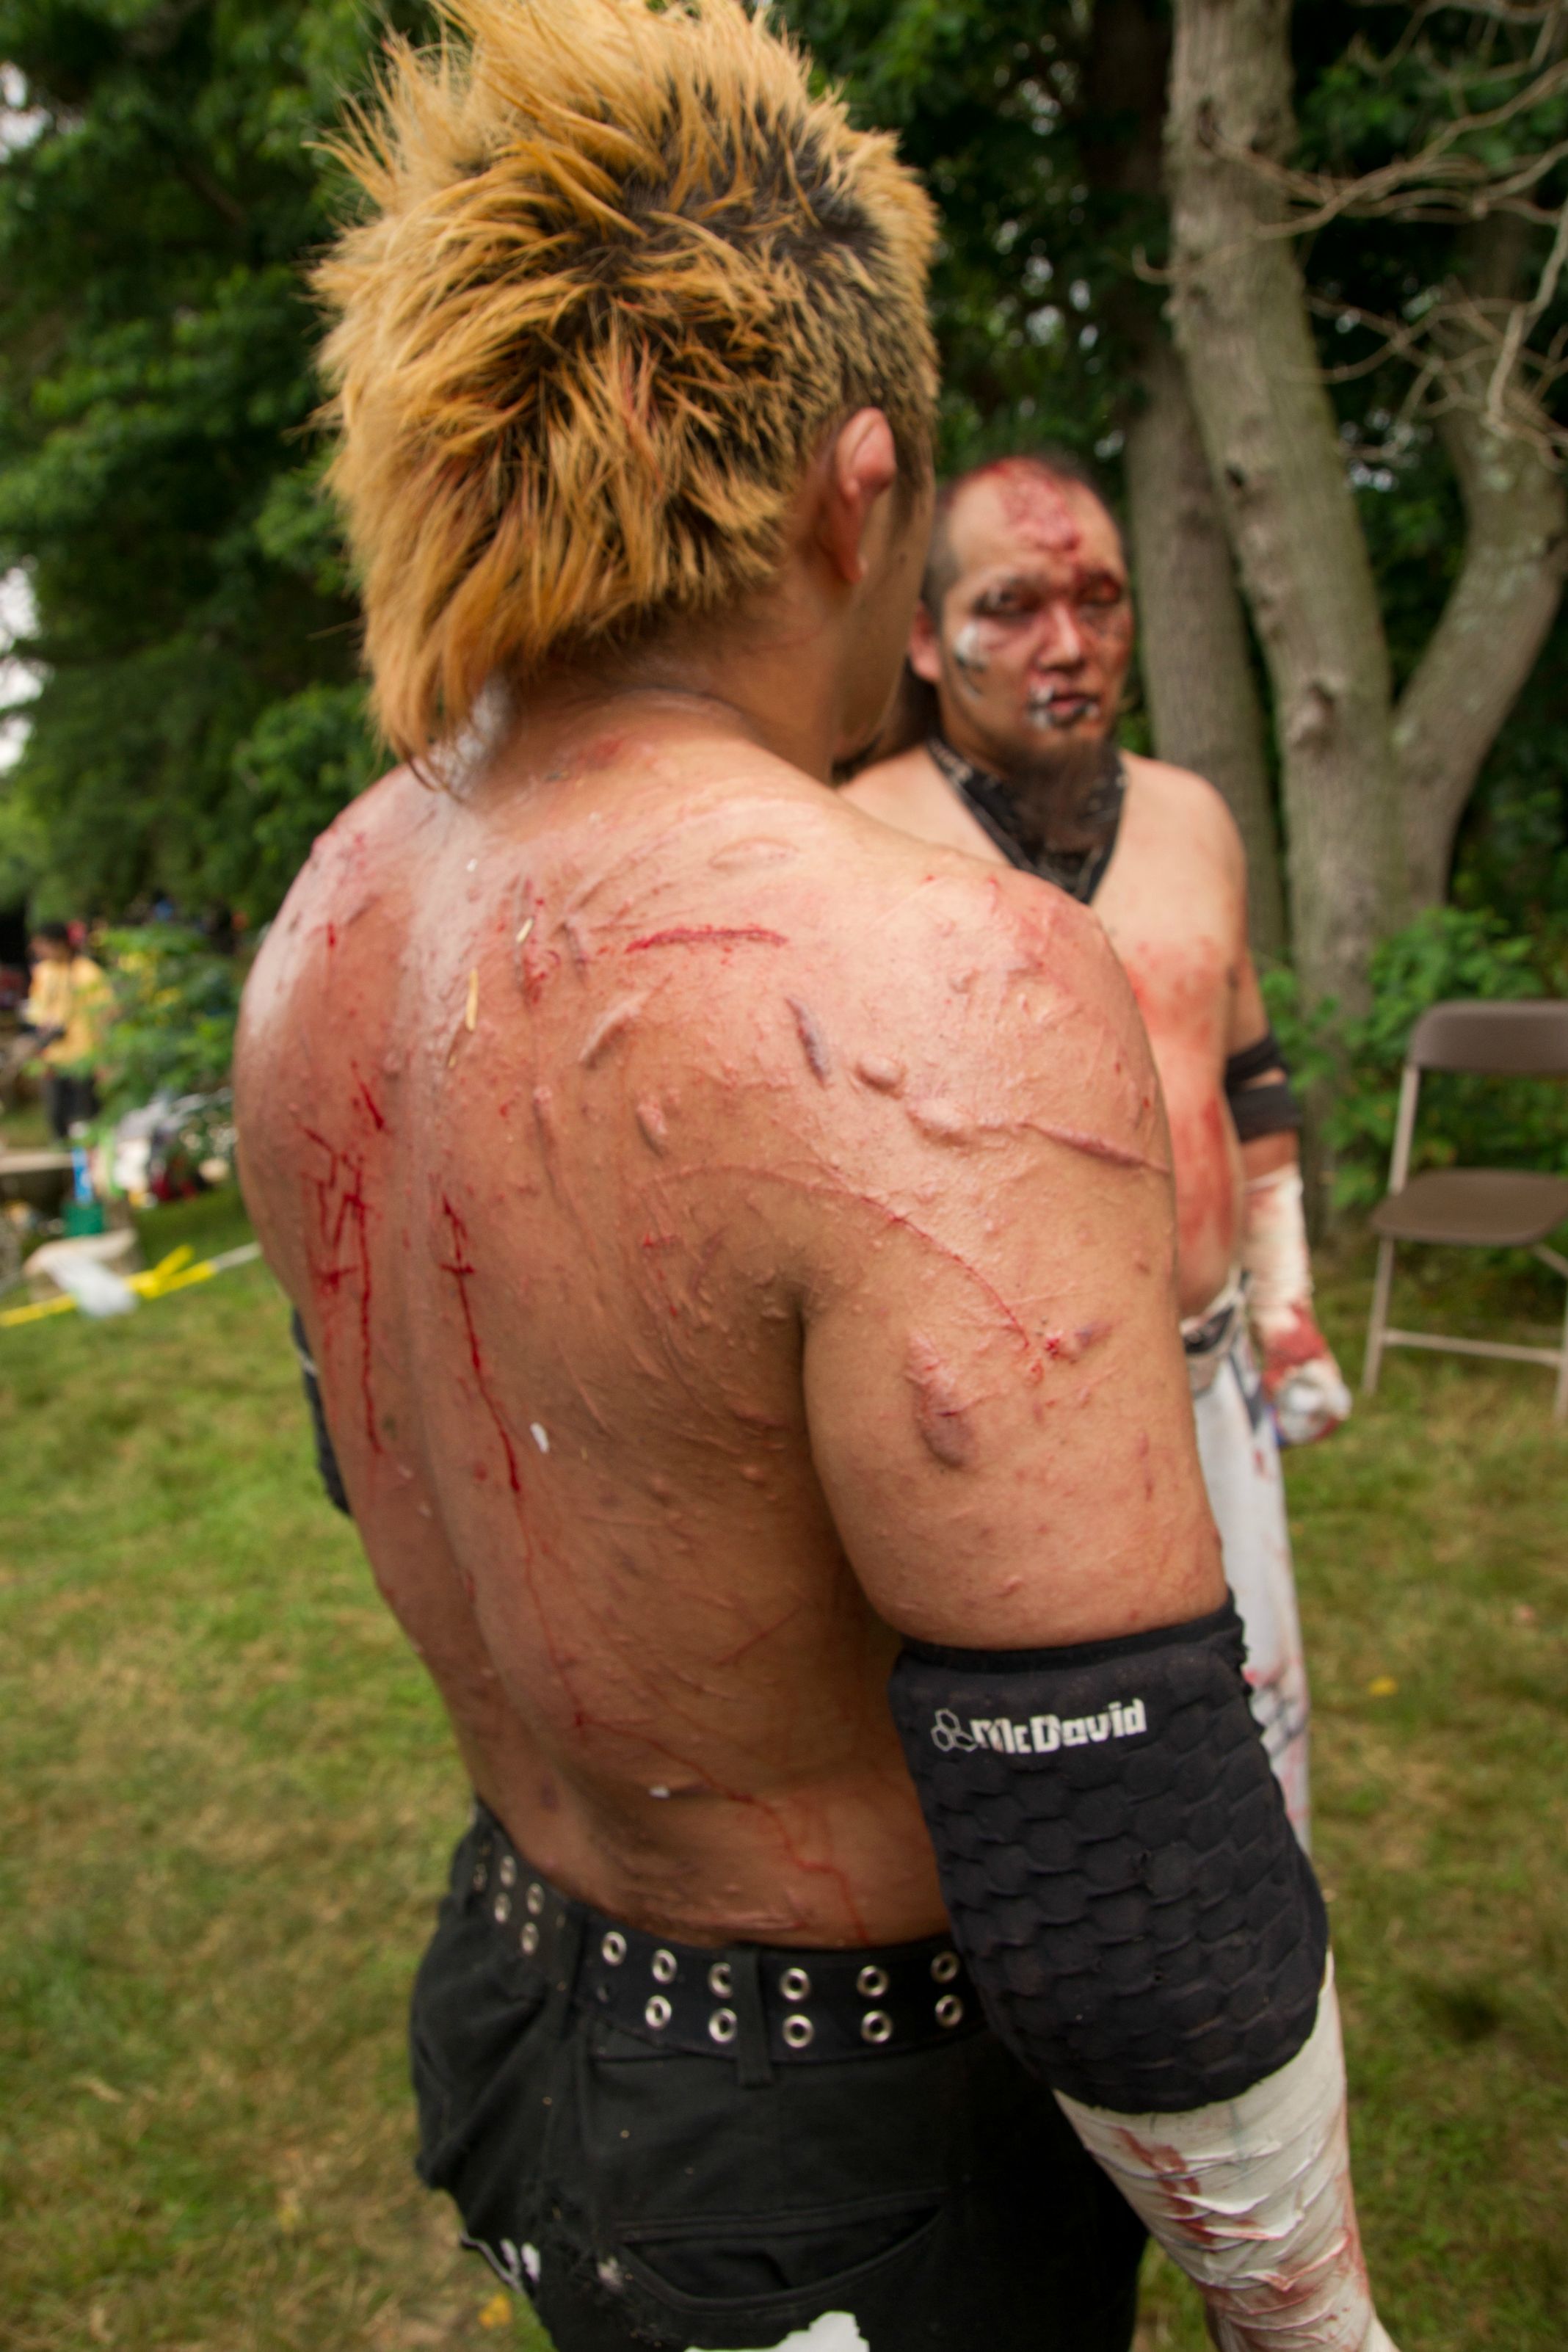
[758,1390]
[1020,647]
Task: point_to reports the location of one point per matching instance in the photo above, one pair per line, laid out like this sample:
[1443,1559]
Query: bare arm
[998,1407]
[1002,1425]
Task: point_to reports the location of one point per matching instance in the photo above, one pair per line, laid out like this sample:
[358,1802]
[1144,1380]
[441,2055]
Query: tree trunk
[1202,695]
[1275,458]
[1500,608]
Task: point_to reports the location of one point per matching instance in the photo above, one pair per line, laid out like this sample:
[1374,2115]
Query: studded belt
[790,2004]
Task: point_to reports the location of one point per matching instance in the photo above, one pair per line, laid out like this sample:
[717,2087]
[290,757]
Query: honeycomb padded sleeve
[1140,1923]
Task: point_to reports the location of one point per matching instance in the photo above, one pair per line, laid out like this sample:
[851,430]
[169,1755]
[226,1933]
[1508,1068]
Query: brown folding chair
[1474,1208]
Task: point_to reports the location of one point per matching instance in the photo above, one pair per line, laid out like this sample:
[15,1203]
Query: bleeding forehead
[1015,514]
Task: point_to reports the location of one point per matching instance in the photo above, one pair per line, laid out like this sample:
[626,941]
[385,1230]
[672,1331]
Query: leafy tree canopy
[202,714]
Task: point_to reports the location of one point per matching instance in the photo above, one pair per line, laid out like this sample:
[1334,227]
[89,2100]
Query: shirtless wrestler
[1023,638]
[759,1398]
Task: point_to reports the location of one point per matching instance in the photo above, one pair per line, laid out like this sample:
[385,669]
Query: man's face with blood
[1030,648]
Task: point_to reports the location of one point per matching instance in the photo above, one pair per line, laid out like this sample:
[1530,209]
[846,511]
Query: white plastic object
[97,1289]
[1252,2197]
[118,1251]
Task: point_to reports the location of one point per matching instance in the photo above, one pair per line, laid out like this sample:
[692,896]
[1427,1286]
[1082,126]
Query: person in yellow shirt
[68,1006]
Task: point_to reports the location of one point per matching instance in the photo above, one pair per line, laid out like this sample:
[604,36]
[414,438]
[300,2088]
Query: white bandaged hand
[1252,2197]
[1301,1378]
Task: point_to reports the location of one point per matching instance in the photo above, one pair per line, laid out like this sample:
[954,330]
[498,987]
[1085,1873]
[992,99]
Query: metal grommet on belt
[529,1939]
[799,2033]
[796,1985]
[507,1874]
[876,2025]
[534,1899]
[664,1967]
[871,1983]
[612,1950]
[481,1878]
[658,2012]
[944,1967]
[723,2025]
[720,1981]
[949,2009]
[500,1909]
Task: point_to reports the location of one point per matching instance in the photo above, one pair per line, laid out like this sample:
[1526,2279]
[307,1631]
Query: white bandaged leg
[1240,1463]
[1252,2198]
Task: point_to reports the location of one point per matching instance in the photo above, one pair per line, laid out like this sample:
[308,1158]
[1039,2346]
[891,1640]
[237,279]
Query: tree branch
[1503,603]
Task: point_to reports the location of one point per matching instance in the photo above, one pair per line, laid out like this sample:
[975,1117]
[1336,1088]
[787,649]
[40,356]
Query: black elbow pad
[1141,1925]
[326,1459]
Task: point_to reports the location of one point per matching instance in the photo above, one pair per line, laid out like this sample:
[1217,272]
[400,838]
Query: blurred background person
[66,1010]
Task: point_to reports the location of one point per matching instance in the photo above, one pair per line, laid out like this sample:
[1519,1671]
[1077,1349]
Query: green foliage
[1022,136]
[201,716]
[197,637]
[175,1006]
[1355,1065]
[1513,848]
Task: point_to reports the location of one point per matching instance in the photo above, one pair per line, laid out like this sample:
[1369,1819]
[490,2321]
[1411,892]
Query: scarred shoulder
[342,888]
[731,917]
[943,1005]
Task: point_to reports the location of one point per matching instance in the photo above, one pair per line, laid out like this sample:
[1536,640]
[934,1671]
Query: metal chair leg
[1560,1404]
[1377,1322]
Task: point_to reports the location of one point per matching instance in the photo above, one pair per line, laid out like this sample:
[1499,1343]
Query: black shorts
[680,2149]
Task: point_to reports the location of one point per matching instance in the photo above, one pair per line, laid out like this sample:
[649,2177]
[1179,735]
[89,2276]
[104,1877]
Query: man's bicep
[1000,1418]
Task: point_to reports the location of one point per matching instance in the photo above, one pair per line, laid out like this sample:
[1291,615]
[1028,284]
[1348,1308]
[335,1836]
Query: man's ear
[925,646]
[862,467]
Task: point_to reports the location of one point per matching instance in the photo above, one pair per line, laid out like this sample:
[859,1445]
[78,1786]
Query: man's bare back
[634,1230]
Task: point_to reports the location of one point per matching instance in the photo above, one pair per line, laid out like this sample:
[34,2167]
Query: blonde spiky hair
[621,274]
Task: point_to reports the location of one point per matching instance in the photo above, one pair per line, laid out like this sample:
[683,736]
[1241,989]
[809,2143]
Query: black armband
[326,1459]
[1141,1925]
[1272,1110]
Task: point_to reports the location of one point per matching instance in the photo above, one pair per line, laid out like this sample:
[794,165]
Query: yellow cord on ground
[175,1272]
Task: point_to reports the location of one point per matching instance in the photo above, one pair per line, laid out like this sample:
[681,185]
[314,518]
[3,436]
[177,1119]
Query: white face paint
[969,652]
[835,2331]
[1055,706]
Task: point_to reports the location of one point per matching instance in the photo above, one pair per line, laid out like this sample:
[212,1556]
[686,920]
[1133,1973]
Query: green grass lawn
[226,1796]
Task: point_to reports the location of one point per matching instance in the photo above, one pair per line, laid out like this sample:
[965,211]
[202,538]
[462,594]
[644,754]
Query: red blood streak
[707,935]
[804,1861]
[1095,1146]
[1180,2192]
[764,1634]
[371,1104]
[339,1204]
[1298,1342]
[895,1218]
[462,1270]
[1033,504]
